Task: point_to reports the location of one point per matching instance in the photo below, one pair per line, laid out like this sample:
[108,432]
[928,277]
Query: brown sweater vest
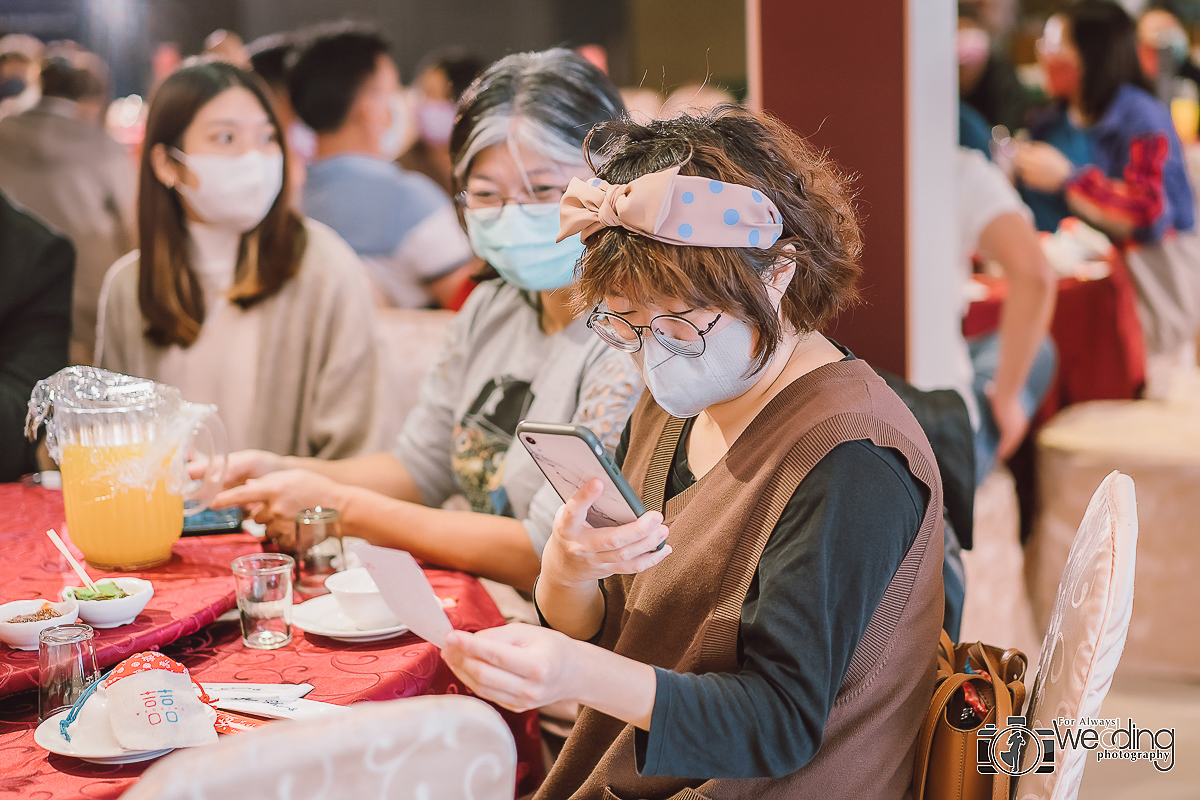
[684,614]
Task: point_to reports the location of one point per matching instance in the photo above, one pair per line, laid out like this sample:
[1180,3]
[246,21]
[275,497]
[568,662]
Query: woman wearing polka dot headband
[767,627]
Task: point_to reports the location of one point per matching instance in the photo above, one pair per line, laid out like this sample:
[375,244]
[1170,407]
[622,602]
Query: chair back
[409,343]
[1086,635]
[447,747]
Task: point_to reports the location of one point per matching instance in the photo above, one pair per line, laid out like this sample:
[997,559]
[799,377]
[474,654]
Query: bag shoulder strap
[937,707]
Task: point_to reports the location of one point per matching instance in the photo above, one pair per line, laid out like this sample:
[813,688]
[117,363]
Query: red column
[835,72]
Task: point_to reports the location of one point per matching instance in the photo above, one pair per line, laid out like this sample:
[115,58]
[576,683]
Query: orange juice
[118,524]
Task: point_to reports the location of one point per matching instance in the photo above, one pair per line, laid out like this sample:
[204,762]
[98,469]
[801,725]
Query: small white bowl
[24,635]
[360,600]
[116,612]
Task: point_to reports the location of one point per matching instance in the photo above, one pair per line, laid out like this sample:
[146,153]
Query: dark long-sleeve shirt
[36,271]
[824,570]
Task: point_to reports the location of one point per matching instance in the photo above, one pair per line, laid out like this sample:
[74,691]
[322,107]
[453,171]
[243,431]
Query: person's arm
[523,667]
[1119,206]
[34,332]
[1025,318]
[490,545]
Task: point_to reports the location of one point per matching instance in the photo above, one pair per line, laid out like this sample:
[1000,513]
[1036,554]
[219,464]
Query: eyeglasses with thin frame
[678,334]
[487,206]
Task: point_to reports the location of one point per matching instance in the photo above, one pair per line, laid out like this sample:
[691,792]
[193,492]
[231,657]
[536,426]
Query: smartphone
[227,520]
[571,455]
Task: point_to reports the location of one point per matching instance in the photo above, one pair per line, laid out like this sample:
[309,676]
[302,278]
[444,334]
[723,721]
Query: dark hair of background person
[169,292]
[73,73]
[269,55]
[329,67]
[1106,38]
[733,145]
[458,64]
[557,91]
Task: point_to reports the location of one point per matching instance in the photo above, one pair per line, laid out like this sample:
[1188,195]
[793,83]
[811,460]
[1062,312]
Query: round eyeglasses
[677,334]
[487,206]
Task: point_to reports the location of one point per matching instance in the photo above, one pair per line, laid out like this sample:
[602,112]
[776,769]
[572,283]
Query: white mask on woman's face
[234,191]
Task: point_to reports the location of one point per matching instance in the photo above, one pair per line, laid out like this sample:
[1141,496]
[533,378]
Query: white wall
[934,312]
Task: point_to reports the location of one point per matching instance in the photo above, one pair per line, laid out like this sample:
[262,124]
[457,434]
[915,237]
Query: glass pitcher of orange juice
[122,444]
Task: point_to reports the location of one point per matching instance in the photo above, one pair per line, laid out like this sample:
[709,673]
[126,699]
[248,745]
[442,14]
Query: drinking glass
[264,598]
[66,666]
[318,547]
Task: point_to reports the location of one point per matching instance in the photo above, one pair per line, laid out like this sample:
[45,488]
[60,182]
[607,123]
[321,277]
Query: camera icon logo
[1001,749]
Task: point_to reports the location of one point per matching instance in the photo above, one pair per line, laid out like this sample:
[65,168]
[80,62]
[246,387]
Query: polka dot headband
[672,208]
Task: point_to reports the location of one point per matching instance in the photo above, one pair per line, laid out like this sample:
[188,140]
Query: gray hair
[544,102]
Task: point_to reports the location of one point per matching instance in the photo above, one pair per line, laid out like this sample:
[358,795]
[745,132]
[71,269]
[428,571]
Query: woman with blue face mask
[517,349]
[233,297]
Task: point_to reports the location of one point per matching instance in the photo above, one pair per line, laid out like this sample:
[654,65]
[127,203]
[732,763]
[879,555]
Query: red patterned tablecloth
[1097,334]
[340,673]
[190,591]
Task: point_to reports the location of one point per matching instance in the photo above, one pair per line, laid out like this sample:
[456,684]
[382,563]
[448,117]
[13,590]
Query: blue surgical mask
[520,244]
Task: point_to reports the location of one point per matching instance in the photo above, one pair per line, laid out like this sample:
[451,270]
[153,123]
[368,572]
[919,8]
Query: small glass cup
[264,598]
[66,666]
[318,547]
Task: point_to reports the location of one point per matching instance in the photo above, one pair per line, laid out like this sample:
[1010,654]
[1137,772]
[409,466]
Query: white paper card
[407,592]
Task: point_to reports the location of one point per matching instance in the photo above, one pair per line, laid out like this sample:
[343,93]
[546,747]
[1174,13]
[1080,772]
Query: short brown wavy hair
[734,145]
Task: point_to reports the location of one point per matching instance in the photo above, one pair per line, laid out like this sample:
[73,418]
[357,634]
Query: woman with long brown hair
[232,297]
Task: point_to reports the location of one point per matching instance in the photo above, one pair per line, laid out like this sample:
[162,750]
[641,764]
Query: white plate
[49,737]
[322,616]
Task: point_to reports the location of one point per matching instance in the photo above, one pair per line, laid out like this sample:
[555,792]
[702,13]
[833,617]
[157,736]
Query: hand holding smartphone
[570,456]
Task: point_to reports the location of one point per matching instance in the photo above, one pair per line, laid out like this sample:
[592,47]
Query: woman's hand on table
[578,554]
[276,498]
[1042,167]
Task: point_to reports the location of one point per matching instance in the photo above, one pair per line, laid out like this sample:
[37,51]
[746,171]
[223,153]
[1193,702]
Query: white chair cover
[421,748]
[1086,636]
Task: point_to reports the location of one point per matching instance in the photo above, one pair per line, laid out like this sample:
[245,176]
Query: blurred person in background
[442,77]
[517,350]
[233,297]
[643,104]
[695,99]
[1108,153]
[36,266]
[57,161]
[227,46]
[346,87]
[987,79]
[1163,51]
[269,56]
[20,70]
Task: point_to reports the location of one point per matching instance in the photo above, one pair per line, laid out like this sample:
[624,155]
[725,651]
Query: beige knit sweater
[316,390]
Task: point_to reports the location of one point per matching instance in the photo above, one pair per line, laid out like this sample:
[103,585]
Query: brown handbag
[946,766]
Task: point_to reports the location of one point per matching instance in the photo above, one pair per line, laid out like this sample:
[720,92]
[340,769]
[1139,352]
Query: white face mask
[401,134]
[683,387]
[234,191]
